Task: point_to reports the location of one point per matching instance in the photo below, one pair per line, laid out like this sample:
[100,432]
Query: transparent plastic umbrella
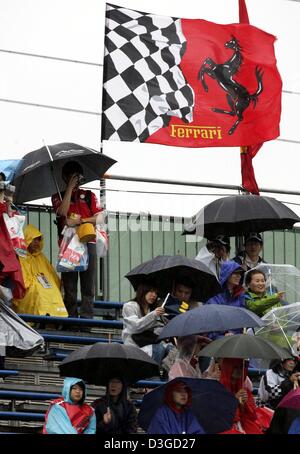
[280,325]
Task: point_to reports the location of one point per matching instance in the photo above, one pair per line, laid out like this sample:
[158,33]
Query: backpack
[60,221]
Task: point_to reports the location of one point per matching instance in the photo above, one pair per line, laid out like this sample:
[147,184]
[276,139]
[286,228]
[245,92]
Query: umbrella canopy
[241,214]
[8,167]
[291,400]
[244,346]
[207,318]
[280,325]
[18,337]
[164,269]
[212,404]
[39,172]
[98,363]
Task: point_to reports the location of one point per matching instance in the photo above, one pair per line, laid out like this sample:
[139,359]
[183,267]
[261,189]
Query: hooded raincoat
[184,366]
[248,419]
[170,419]
[234,298]
[65,417]
[42,296]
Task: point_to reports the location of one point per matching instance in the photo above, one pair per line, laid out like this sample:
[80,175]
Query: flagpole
[104,261]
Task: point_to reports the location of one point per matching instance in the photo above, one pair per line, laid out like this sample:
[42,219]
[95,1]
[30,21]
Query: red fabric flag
[188,82]
[247,153]
[9,264]
[248,176]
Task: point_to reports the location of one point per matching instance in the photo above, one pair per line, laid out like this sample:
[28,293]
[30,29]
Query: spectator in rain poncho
[186,362]
[42,284]
[175,417]
[233,292]
[69,414]
[249,419]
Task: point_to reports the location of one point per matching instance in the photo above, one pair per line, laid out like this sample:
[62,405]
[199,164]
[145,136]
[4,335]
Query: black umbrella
[244,346]
[207,318]
[241,214]
[212,404]
[99,362]
[39,172]
[164,269]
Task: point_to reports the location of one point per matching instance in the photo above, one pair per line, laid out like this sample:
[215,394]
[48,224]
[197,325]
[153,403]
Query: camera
[8,188]
[80,179]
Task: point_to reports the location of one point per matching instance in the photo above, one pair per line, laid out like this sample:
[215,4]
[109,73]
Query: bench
[7,372]
[91,322]
[71,339]
[26,395]
[21,416]
[104,308]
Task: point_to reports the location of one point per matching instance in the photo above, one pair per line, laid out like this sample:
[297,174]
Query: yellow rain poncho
[42,284]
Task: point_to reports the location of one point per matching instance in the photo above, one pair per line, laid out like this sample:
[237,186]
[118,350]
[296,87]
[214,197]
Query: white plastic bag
[14,227]
[73,255]
[101,241]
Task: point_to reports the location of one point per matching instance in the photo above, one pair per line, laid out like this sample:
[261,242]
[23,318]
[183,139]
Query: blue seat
[256,372]
[150,383]
[7,372]
[108,304]
[92,322]
[21,416]
[71,339]
[26,395]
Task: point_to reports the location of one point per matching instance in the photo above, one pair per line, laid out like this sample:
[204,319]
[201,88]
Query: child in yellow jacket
[41,281]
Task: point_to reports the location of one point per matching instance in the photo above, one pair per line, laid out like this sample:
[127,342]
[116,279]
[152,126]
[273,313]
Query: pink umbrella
[291,400]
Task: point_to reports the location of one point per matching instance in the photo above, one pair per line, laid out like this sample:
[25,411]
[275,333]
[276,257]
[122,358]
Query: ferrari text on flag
[188,82]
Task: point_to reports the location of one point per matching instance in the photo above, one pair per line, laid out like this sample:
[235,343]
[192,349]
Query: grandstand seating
[91,322]
[31,382]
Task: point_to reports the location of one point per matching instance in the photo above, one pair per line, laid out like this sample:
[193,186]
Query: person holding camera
[77,206]
[215,253]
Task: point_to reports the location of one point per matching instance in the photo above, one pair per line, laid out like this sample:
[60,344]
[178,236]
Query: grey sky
[73,29]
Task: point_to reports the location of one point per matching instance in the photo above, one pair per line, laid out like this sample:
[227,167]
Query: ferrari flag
[188,82]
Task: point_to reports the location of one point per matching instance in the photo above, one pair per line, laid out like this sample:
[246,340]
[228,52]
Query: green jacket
[260,305]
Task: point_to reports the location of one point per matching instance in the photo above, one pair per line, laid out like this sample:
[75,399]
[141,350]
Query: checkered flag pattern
[143,85]
[274,391]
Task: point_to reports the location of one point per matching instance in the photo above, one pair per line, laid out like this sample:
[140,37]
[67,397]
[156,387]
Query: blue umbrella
[8,167]
[208,318]
[212,404]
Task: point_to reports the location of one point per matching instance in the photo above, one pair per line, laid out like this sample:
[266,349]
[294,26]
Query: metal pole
[196,184]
